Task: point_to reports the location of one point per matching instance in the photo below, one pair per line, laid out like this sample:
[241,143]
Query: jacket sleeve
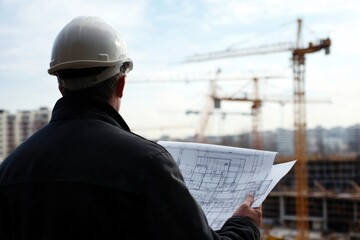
[172,212]
[239,228]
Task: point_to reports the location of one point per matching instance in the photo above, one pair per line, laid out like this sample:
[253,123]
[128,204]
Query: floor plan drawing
[220,177]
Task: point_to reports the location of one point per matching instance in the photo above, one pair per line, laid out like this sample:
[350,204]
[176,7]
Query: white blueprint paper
[220,177]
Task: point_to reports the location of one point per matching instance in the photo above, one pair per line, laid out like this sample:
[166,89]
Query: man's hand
[245,210]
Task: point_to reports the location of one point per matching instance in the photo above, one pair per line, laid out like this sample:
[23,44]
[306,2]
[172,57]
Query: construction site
[320,197]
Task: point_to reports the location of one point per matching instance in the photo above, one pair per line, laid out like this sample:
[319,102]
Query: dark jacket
[86,176]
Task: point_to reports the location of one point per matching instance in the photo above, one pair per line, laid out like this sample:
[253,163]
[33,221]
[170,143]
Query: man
[85,175]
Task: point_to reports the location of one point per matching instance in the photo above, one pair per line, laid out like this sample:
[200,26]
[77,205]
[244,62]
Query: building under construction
[333,197]
[333,184]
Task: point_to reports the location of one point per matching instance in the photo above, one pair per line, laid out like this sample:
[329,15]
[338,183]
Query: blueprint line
[220,177]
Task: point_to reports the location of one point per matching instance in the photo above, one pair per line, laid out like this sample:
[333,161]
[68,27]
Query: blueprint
[220,177]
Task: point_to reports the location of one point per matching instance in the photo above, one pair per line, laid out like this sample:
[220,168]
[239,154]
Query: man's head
[89,56]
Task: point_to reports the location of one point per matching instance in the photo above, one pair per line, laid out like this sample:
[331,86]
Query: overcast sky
[160,34]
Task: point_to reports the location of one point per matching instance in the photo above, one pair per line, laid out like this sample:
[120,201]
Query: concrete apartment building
[16,128]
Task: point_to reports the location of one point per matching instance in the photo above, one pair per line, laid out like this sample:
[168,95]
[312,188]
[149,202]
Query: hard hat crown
[88,42]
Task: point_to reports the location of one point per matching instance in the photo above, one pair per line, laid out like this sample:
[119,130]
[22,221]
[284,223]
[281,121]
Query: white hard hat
[88,42]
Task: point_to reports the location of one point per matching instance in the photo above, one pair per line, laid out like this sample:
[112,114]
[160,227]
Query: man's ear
[120,86]
[61,89]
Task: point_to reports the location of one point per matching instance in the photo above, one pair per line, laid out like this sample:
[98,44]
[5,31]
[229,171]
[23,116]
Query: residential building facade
[16,128]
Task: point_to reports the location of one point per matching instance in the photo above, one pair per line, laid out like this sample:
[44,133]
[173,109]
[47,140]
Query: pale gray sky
[160,34]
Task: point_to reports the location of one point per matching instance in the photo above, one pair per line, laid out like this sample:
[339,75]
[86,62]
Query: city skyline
[16,127]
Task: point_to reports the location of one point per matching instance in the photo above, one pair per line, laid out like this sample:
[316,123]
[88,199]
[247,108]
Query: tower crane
[214,100]
[257,142]
[300,141]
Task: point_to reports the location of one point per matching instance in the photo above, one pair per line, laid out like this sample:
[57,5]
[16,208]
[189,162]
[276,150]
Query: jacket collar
[74,107]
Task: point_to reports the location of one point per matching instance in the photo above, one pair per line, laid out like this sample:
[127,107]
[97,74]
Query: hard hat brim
[87,64]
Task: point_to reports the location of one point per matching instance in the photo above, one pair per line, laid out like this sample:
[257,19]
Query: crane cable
[231,47]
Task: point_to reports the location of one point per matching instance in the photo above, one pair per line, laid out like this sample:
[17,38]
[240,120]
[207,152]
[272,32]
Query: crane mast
[256,120]
[300,142]
[300,138]
[199,137]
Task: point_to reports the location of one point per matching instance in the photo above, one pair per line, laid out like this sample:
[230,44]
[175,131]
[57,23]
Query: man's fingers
[249,200]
